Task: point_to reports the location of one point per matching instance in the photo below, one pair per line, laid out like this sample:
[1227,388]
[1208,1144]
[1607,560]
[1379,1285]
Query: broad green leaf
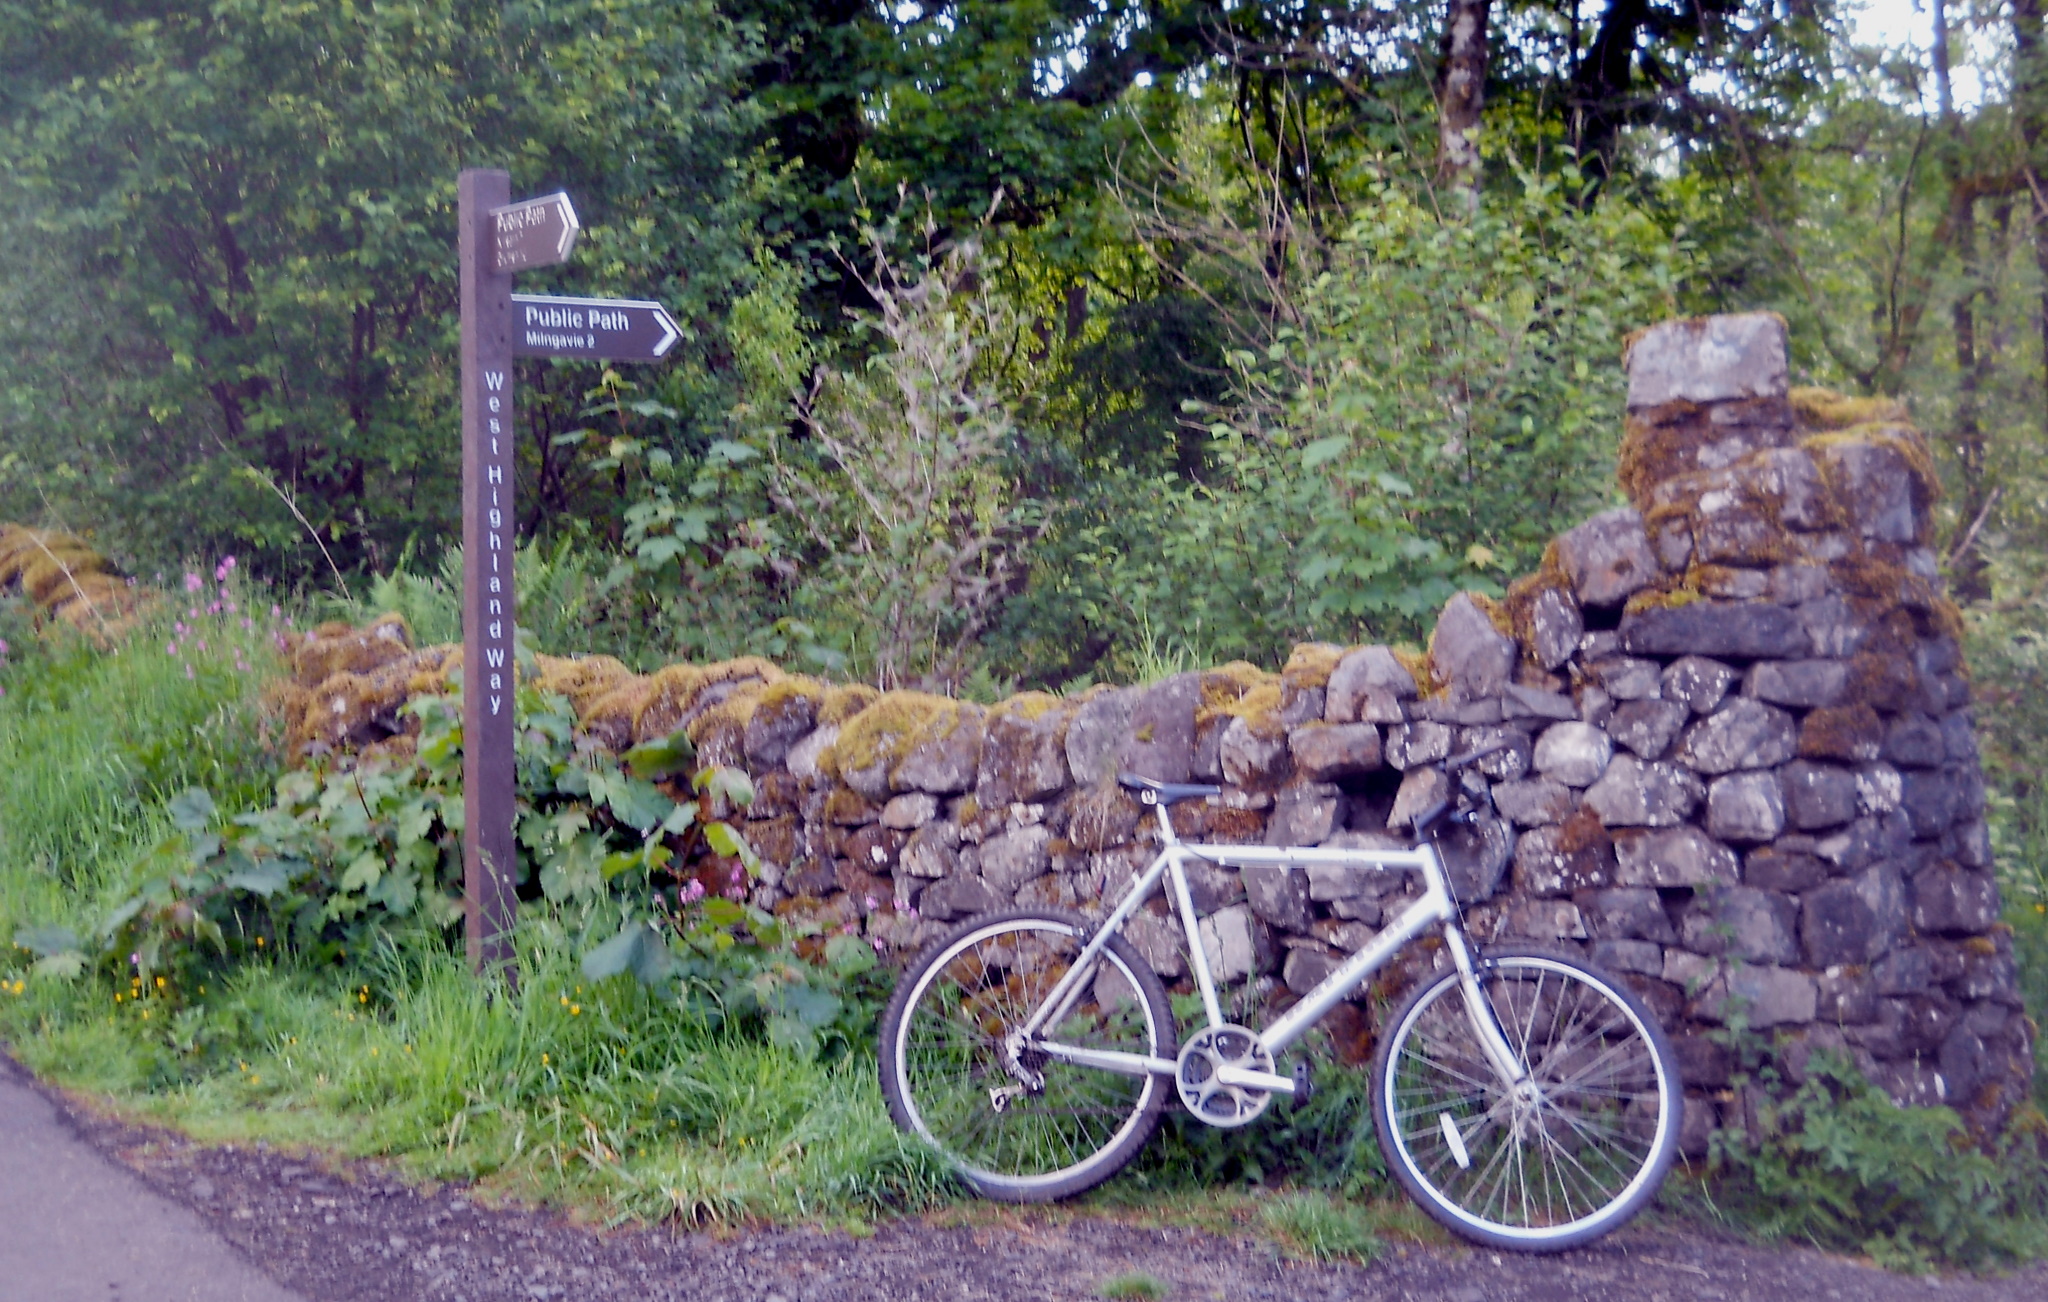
[266,878]
[191,810]
[47,940]
[363,873]
[664,757]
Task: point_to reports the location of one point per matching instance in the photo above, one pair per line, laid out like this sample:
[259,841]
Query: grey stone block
[1161,741]
[1833,627]
[1879,489]
[1532,803]
[1468,654]
[1932,798]
[1782,868]
[1948,900]
[1804,683]
[1368,669]
[1607,558]
[1519,702]
[1575,754]
[1014,858]
[1627,678]
[956,898]
[1337,750]
[1708,359]
[1681,856]
[1421,790]
[1746,807]
[1817,796]
[1915,741]
[1278,894]
[1555,626]
[1550,863]
[1762,996]
[1855,919]
[1253,758]
[1305,815]
[1634,793]
[1743,630]
[1743,734]
[1411,744]
[1795,584]
[1640,956]
[1305,969]
[1626,914]
[1647,727]
[911,810]
[1742,922]
[1697,682]
[1096,736]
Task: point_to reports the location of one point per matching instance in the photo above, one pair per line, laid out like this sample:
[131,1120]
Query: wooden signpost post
[497,237]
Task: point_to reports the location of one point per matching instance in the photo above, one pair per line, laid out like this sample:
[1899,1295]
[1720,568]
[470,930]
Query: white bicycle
[1525,1099]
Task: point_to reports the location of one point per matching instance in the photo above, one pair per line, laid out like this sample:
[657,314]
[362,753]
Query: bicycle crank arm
[1124,1064]
[1255,1080]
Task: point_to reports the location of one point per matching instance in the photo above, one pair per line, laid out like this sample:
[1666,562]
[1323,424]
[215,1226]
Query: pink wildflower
[193,582]
[188,671]
[213,609]
[170,648]
[275,611]
[200,643]
[178,627]
[872,906]
[693,892]
[225,568]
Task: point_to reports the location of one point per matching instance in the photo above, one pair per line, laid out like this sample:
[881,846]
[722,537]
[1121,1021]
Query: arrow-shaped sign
[533,233]
[614,329]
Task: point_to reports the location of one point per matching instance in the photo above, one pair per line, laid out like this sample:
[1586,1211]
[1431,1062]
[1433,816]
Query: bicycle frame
[1435,908]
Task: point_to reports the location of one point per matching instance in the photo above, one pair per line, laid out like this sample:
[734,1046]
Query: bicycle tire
[1575,1164]
[940,1055]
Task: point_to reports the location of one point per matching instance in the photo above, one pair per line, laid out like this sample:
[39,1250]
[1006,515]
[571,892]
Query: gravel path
[352,1231]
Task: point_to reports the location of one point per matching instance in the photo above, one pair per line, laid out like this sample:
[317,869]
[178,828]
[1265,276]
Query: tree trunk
[2030,102]
[1460,95]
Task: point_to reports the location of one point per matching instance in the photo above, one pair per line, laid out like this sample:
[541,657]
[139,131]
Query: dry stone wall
[1739,767]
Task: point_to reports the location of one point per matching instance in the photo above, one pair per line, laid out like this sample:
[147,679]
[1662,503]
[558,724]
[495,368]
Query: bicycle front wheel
[943,1057]
[1573,1153]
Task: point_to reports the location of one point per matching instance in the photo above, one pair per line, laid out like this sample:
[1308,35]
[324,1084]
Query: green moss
[886,730]
[1027,706]
[1310,664]
[1825,409]
[1662,598]
[842,703]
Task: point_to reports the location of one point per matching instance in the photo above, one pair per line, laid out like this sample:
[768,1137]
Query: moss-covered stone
[1310,664]
[1825,409]
[841,703]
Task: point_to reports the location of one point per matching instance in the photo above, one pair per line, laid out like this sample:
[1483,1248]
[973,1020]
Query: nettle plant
[630,858]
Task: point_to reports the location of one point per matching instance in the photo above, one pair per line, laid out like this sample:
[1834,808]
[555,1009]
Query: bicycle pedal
[1304,1084]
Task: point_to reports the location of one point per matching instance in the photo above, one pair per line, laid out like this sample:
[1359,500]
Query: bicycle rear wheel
[1573,1155]
[942,1056]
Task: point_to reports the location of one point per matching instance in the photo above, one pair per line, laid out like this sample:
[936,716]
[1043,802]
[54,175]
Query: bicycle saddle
[1153,792]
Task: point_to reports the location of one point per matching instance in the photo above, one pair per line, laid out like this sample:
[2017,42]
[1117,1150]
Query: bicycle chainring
[1206,1097]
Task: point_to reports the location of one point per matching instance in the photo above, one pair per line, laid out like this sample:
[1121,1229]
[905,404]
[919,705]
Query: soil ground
[339,1232]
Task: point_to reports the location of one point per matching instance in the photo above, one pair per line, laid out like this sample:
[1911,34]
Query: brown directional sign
[489,438]
[533,233]
[614,329]
[497,238]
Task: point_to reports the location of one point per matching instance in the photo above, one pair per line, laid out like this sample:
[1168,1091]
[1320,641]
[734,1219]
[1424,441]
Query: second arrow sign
[612,329]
